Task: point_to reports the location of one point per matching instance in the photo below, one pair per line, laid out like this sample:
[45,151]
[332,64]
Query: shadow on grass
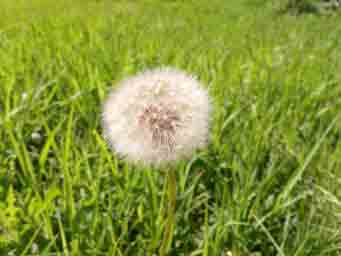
[300,7]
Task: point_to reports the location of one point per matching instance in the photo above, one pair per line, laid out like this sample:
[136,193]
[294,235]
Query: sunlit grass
[268,184]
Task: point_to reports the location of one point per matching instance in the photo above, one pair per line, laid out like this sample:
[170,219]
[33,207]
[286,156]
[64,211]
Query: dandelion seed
[157,117]
[34,248]
[24,95]
[36,136]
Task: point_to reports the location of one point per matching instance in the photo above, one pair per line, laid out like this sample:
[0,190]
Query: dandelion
[157,118]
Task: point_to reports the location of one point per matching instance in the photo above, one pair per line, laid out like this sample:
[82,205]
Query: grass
[269,183]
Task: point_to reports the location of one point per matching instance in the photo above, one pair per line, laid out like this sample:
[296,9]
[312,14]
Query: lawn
[268,184]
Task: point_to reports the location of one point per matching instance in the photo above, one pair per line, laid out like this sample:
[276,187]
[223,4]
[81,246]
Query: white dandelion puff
[157,117]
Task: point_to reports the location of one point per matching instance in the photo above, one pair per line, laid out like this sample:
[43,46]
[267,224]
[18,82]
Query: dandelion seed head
[157,117]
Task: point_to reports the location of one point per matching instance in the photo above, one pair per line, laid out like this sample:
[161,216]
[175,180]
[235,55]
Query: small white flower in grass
[157,117]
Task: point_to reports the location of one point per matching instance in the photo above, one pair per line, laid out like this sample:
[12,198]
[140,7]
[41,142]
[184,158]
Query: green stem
[168,233]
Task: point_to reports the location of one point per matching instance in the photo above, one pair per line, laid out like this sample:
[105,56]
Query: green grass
[270,181]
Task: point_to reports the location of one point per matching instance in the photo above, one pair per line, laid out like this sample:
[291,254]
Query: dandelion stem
[168,233]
